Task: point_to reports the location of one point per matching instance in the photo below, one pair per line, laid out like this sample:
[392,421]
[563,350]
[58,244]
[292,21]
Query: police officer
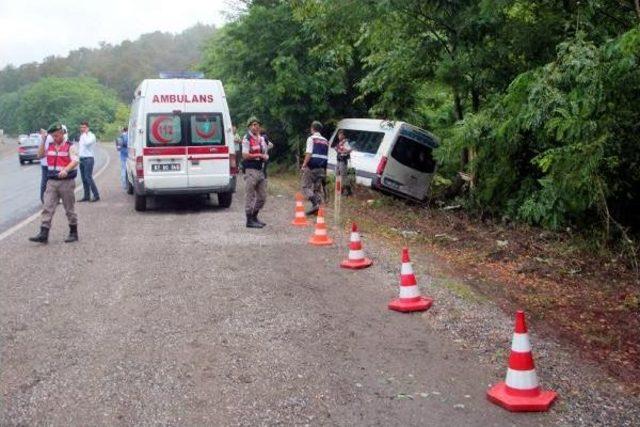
[254,154]
[343,153]
[62,162]
[314,167]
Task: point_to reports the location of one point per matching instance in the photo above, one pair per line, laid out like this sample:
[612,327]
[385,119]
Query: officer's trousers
[255,185]
[312,184]
[59,189]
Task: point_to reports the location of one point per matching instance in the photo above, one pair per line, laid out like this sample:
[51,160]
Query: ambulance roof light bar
[181,75]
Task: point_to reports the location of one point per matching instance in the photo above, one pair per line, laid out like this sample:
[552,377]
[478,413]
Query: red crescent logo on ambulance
[155,131]
[206,135]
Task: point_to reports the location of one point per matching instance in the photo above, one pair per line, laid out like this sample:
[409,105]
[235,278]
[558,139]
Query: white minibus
[391,156]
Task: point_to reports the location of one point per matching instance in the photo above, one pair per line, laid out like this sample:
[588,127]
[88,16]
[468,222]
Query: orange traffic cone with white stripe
[320,236]
[410,299]
[300,219]
[356,258]
[520,391]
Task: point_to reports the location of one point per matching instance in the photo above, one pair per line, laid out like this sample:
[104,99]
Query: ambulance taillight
[139,167]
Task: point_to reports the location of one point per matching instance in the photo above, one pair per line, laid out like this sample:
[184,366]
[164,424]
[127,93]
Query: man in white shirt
[87,145]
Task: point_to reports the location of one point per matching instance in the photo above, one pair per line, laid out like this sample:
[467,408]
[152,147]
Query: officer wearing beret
[62,163]
[254,154]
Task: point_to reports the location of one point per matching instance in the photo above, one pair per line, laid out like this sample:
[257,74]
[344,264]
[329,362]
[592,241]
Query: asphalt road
[182,316]
[20,185]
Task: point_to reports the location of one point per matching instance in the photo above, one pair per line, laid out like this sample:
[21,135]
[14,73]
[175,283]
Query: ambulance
[180,141]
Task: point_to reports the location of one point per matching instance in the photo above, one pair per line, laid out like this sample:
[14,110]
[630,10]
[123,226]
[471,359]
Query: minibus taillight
[381,165]
[139,167]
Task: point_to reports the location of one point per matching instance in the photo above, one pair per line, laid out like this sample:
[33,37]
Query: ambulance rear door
[165,159]
[207,148]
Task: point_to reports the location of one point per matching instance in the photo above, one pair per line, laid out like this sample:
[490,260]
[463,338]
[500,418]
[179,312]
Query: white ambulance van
[180,141]
[393,157]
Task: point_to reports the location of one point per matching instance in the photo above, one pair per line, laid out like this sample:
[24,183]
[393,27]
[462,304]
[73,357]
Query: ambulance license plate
[165,167]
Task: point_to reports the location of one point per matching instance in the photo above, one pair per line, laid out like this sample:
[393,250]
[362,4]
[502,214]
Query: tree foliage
[537,101]
[67,100]
[264,60]
[562,144]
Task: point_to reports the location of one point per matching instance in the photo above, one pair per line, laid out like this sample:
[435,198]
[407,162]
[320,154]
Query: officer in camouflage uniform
[314,167]
[254,155]
[62,163]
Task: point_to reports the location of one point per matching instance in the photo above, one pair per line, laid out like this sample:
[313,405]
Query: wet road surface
[20,185]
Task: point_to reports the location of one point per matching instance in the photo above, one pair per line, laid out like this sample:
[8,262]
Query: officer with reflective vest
[314,167]
[62,163]
[254,154]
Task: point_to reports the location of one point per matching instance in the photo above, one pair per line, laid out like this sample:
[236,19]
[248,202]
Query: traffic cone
[300,219]
[520,391]
[356,258]
[410,299]
[320,237]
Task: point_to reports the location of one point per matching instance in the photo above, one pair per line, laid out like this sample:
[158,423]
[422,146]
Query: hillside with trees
[66,88]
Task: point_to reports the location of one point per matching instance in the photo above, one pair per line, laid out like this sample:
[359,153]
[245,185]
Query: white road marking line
[24,222]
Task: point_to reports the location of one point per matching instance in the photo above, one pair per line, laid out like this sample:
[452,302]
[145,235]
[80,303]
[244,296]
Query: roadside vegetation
[537,102]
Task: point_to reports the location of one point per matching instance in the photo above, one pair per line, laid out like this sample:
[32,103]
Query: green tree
[562,145]
[69,100]
[267,70]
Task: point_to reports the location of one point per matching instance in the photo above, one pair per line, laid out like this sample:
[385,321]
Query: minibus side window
[363,141]
[206,129]
[414,155]
[164,130]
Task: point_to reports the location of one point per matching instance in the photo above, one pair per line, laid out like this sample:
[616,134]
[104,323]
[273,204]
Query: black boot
[251,222]
[313,209]
[73,234]
[42,237]
[255,218]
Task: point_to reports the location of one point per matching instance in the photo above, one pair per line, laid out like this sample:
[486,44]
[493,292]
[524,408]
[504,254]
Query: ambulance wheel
[129,187]
[141,203]
[224,199]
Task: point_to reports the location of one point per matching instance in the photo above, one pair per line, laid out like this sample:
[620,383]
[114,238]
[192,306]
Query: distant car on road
[28,148]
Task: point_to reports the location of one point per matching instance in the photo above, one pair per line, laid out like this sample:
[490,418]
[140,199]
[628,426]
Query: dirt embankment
[588,300]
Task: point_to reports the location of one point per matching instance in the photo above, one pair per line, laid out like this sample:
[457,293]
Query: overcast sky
[31,30]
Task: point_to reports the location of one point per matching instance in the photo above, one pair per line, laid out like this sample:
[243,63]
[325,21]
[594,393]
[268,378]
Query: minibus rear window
[363,141]
[414,155]
[206,129]
[164,130]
